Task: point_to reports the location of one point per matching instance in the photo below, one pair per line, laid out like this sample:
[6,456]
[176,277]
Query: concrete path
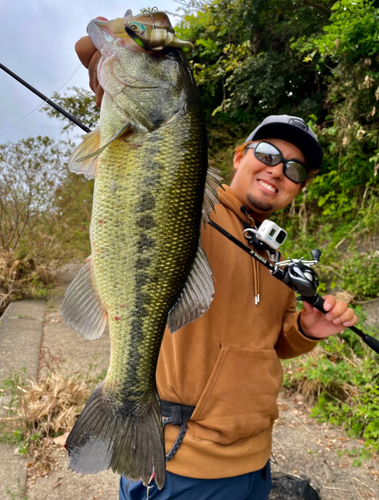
[21,331]
[33,335]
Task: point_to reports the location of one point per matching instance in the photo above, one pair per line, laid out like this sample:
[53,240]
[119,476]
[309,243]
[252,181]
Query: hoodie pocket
[239,400]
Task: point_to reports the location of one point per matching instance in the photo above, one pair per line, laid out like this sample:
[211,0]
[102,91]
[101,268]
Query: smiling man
[291,154]
[218,377]
[223,370]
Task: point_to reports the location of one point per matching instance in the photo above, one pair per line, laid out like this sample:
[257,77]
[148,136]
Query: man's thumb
[308,309]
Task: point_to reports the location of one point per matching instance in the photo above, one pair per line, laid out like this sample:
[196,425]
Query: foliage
[341,376]
[30,172]
[349,48]
[243,59]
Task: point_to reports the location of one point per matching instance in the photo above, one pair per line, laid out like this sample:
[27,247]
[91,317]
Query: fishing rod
[46,99]
[297,275]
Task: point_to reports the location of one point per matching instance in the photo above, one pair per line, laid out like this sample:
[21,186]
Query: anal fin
[82,309]
[197,294]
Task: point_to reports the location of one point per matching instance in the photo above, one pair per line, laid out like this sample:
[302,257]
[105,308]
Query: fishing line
[44,102]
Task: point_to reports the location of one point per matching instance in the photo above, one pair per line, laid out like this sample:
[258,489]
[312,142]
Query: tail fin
[107,435]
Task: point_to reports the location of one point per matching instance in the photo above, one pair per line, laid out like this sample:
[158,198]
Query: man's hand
[318,325]
[89,56]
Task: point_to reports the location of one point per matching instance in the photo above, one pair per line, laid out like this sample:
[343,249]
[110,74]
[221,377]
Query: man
[223,370]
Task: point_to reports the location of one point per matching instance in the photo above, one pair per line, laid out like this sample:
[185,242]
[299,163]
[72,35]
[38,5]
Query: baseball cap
[294,130]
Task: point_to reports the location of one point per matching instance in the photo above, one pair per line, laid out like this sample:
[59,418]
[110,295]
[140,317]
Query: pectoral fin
[84,159]
[90,143]
[196,296]
[82,309]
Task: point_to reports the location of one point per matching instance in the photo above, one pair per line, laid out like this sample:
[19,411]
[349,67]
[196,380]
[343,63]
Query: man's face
[263,188]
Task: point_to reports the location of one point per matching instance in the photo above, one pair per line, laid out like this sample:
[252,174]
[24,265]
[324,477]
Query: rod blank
[46,99]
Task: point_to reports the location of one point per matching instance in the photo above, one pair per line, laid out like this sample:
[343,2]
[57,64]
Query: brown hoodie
[226,363]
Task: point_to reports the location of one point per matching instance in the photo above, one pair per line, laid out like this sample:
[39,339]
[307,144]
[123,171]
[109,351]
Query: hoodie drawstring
[250,222]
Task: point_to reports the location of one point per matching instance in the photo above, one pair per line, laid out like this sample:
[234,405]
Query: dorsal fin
[196,296]
[212,184]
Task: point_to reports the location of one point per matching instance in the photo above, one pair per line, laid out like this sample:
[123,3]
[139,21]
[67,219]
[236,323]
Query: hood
[228,198]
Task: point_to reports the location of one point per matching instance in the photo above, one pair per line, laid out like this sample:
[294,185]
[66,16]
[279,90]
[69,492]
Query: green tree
[349,47]
[243,59]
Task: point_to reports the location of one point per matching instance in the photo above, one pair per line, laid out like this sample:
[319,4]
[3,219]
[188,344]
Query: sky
[37,39]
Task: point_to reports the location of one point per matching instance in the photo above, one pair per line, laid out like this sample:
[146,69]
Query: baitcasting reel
[298,274]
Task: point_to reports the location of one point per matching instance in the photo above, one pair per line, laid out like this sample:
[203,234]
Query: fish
[153,190]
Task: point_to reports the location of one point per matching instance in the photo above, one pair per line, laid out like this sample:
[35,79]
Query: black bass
[147,267]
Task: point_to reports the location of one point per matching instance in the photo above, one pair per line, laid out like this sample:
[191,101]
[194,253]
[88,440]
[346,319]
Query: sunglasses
[269,154]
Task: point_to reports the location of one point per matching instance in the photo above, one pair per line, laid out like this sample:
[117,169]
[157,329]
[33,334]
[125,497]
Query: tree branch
[318,6]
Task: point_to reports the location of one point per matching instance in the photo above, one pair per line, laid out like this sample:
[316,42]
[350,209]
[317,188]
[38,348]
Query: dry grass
[22,277]
[44,410]
[51,406]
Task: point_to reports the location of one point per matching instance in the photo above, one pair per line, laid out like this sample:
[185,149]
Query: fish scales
[155,245]
[145,229]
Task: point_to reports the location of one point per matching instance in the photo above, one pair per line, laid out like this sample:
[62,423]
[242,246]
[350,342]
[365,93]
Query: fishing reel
[298,274]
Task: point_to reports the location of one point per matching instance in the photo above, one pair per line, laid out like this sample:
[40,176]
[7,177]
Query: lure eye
[137,27]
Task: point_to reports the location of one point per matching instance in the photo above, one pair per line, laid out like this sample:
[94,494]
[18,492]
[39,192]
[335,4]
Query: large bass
[147,267]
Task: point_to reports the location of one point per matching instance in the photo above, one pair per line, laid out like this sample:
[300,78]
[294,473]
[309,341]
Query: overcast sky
[37,39]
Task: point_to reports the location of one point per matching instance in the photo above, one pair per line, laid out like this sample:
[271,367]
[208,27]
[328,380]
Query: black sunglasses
[269,154]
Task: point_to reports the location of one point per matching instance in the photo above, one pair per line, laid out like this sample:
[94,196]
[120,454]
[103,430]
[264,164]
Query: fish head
[148,85]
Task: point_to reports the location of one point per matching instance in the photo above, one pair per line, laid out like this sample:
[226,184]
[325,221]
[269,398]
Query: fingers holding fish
[89,56]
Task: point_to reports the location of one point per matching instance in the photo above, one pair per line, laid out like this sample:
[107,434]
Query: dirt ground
[322,453]
[301,446]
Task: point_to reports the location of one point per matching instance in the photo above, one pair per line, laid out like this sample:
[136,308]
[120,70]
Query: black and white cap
[294,130]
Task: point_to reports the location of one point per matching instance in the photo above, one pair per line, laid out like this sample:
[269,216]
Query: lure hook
[151,11]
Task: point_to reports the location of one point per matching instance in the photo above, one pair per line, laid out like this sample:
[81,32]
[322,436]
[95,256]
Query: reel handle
[316,254]
[318,302]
